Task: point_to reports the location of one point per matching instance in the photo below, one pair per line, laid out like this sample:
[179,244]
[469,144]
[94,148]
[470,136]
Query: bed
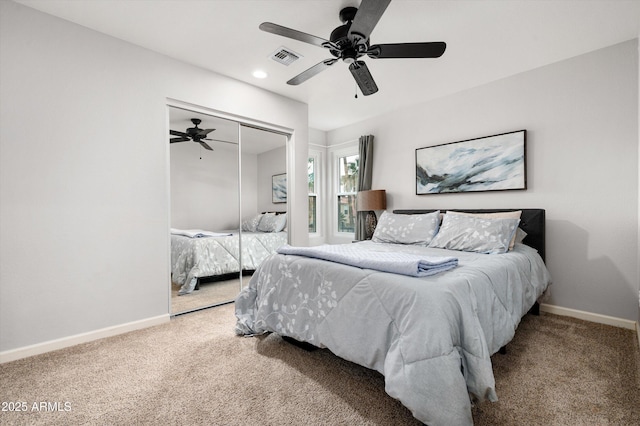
[430,336]
[198,256]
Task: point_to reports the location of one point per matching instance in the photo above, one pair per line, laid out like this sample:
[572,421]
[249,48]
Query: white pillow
[520,235]
[497,215]
[469,233]
[416,229]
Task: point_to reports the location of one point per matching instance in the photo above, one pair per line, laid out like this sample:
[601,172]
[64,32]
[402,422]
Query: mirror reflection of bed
[213,193]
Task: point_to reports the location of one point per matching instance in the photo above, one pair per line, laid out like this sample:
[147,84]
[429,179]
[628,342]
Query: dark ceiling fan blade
[363,77]
[316,69]
[367,17]
[433,49]
[220,140]
[174,140]
[177,133]
[205,146]
[204,132]
[276,29]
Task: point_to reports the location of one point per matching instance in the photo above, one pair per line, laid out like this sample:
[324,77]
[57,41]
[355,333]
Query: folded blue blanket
[394,262]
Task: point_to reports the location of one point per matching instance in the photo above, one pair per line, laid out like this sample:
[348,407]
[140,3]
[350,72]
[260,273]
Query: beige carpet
[209,294]
[194,370]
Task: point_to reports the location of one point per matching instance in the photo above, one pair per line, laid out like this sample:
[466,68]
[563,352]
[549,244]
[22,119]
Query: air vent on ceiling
[285,56]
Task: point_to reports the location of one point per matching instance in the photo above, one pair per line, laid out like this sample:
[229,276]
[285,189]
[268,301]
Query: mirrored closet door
[264,195]
[205,210]
[228,205]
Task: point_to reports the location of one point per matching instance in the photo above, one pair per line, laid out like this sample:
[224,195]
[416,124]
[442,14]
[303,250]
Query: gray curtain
[365,173]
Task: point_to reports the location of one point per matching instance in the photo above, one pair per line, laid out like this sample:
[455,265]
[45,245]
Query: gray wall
[204,187]
[84,187]
[581,117]
[204,191]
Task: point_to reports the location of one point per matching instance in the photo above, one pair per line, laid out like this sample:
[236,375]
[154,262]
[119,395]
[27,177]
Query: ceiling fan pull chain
[356,92]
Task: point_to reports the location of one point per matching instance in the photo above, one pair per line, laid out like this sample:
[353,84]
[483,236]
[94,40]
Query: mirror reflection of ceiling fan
[350,42]
[194,134]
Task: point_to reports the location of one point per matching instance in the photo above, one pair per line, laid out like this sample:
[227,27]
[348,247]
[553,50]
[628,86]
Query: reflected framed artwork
[490,163]
[279,188]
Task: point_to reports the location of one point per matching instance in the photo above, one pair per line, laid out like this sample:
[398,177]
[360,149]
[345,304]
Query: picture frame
[489,163]
[279,188]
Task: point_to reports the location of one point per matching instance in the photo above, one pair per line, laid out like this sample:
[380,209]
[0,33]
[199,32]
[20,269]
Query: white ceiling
[486,40]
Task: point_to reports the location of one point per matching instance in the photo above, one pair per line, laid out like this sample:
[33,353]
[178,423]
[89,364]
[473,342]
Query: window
[341,191]
[313,194]
[315,187]
[347,186]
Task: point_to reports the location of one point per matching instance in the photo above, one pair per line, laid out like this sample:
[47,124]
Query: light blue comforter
[431,337]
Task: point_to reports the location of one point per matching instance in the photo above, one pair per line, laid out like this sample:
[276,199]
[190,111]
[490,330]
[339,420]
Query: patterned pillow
[272,222]
[251,224]
[416,229]
[477,234]
[497,215]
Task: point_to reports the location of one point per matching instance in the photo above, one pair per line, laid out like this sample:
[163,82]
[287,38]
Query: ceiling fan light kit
[363,77]
[350,41]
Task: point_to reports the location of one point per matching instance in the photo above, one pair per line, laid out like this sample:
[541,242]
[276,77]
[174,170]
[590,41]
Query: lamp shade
[375,199]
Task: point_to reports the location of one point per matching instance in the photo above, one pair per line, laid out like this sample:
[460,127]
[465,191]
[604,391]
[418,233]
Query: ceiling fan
[194,133]
[350,42]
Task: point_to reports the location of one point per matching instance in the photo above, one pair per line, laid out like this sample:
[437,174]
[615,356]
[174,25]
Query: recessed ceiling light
[259,74]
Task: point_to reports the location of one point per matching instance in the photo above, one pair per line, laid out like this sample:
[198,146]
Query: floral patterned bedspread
[431,337]
[204,257]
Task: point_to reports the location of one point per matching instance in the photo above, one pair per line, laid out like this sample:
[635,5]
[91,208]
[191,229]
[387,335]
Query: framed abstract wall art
[279,188]
[490,163]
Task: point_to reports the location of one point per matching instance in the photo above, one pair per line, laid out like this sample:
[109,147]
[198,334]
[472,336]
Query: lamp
[368,201]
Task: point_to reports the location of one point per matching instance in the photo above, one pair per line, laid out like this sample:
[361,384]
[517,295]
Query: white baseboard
[588,316]
[65,342]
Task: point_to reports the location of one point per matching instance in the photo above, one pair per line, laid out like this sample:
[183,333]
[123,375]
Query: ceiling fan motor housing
[350,47]
[193,131]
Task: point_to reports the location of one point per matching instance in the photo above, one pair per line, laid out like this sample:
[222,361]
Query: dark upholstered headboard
[532,221]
